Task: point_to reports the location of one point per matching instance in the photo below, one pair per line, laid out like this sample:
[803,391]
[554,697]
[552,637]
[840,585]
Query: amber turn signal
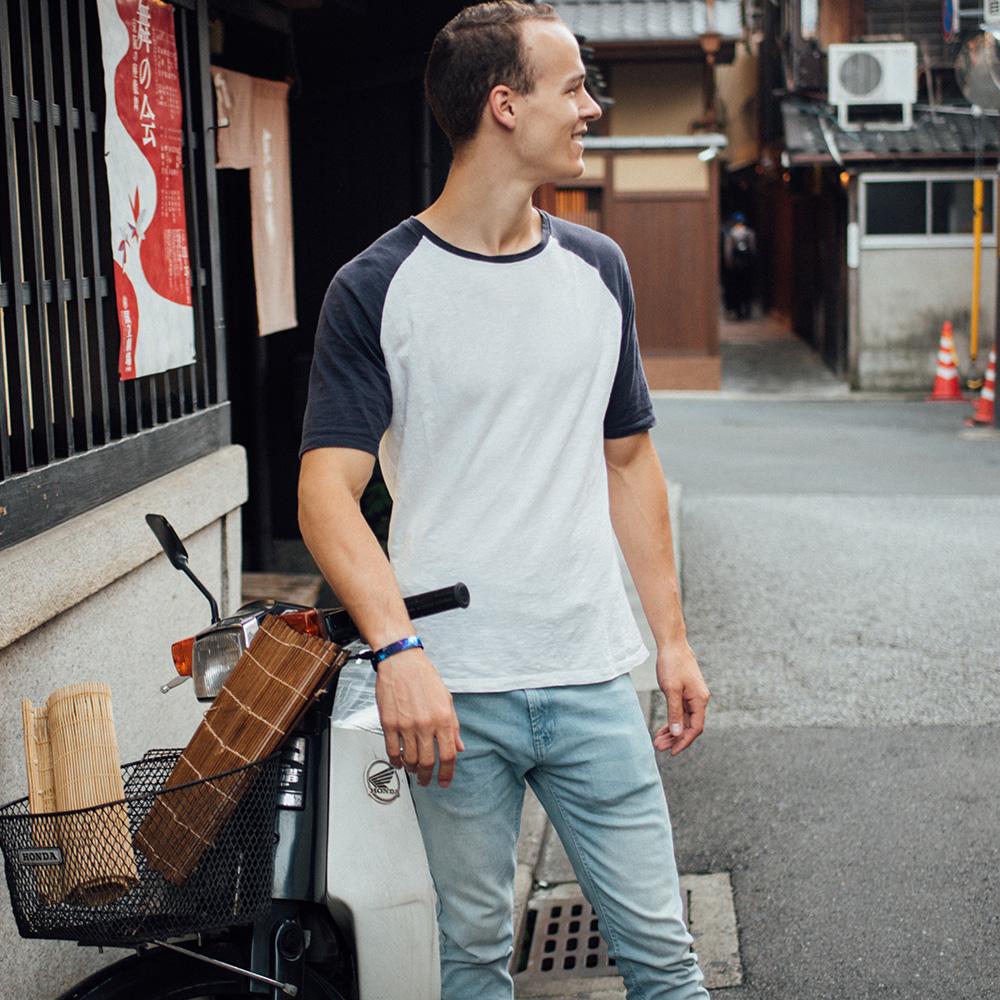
[307,622]
[183,653]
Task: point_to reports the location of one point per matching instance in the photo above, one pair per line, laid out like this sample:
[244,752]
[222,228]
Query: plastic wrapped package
[354,707]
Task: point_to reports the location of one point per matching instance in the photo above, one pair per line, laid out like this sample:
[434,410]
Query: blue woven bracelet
[407,642]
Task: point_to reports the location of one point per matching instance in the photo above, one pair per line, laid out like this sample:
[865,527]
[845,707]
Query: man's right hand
[418,716]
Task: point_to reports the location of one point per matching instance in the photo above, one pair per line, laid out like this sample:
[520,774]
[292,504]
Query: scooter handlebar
[340,628]
[435,601]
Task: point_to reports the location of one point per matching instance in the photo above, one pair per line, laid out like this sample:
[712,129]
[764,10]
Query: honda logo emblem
[382,781]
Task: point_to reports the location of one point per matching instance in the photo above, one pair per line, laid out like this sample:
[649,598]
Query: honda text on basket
[276,855]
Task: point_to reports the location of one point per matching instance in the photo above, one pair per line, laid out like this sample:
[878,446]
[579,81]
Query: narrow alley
[762,356]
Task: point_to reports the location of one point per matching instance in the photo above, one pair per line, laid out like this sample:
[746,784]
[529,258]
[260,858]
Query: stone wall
[94,599]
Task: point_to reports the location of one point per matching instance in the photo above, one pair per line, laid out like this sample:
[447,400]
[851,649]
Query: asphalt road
[841,567]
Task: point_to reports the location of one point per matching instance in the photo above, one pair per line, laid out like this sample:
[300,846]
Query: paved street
[841,565]
[841,572]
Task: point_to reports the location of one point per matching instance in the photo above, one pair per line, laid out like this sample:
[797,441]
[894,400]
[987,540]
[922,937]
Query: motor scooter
[349,912]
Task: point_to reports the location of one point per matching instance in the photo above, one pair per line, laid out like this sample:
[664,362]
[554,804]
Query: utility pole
[996,303]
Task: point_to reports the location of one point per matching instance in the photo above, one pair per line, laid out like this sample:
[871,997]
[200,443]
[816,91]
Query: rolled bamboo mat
[263,698]
[41,795]
[99,863]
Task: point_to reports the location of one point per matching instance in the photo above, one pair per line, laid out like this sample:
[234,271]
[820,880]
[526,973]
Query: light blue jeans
[586,753]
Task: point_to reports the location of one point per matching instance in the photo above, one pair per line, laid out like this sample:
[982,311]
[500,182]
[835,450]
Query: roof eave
[703,140]
[674,50]
[808,159]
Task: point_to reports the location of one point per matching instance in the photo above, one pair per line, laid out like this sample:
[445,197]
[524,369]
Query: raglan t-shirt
[486,385]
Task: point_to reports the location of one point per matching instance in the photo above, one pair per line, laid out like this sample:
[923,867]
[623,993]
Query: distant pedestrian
[739,266]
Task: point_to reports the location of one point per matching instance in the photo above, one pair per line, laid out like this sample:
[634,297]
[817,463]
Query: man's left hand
[679,677]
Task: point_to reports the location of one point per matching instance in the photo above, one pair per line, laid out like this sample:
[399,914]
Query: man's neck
[483,209]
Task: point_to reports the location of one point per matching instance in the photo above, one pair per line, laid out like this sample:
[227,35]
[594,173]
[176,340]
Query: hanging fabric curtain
[252,115]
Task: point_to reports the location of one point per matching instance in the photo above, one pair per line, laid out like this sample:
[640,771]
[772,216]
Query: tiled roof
[931,134]
[647,20]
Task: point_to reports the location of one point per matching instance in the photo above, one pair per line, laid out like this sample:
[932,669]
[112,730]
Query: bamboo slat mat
[72,761]
[264,697]
[41,791]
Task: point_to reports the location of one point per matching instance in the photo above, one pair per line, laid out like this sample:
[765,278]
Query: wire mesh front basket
[82,875]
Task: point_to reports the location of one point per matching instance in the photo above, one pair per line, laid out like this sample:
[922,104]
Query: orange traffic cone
[983,411]
[946,384]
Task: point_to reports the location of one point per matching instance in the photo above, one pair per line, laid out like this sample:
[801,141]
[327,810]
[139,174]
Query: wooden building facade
[867,232]
[652,178]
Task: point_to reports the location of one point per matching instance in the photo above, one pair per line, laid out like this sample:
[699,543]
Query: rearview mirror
[168,540]
[177,554]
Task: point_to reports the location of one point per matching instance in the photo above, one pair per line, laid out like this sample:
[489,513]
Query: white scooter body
[377,876]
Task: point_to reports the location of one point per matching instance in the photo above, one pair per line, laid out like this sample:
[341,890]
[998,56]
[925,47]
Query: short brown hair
[479,48]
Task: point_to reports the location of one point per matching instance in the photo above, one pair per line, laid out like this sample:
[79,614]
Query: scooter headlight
[215,655]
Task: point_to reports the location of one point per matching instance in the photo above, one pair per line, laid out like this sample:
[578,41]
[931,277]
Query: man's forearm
[641,519]
[352,561]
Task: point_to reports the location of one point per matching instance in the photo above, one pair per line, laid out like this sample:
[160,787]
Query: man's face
[554,116]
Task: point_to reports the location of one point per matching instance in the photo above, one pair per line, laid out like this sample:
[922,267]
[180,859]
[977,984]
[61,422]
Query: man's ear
[500,105]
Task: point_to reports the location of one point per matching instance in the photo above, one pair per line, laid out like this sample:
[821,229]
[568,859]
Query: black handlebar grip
[340,628]
[435,601]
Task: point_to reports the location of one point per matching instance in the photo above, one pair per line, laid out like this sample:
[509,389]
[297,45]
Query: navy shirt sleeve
[630,409]
[350,398]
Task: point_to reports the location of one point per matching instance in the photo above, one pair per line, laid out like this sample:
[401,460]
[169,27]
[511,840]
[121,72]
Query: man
[739,260]
[488,354]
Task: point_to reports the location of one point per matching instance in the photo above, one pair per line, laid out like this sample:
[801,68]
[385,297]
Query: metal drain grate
[549,965]
[566,940]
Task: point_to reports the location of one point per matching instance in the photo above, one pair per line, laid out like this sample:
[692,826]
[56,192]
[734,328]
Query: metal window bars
[60,395]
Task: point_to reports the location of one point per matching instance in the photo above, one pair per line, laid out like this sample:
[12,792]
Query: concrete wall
[904,295]
[94,600]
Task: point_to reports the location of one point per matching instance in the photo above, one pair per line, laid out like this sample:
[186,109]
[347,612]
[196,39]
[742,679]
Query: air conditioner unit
[991,13]
[873,73]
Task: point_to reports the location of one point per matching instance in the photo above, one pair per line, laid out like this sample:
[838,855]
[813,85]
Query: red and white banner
[142,143]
